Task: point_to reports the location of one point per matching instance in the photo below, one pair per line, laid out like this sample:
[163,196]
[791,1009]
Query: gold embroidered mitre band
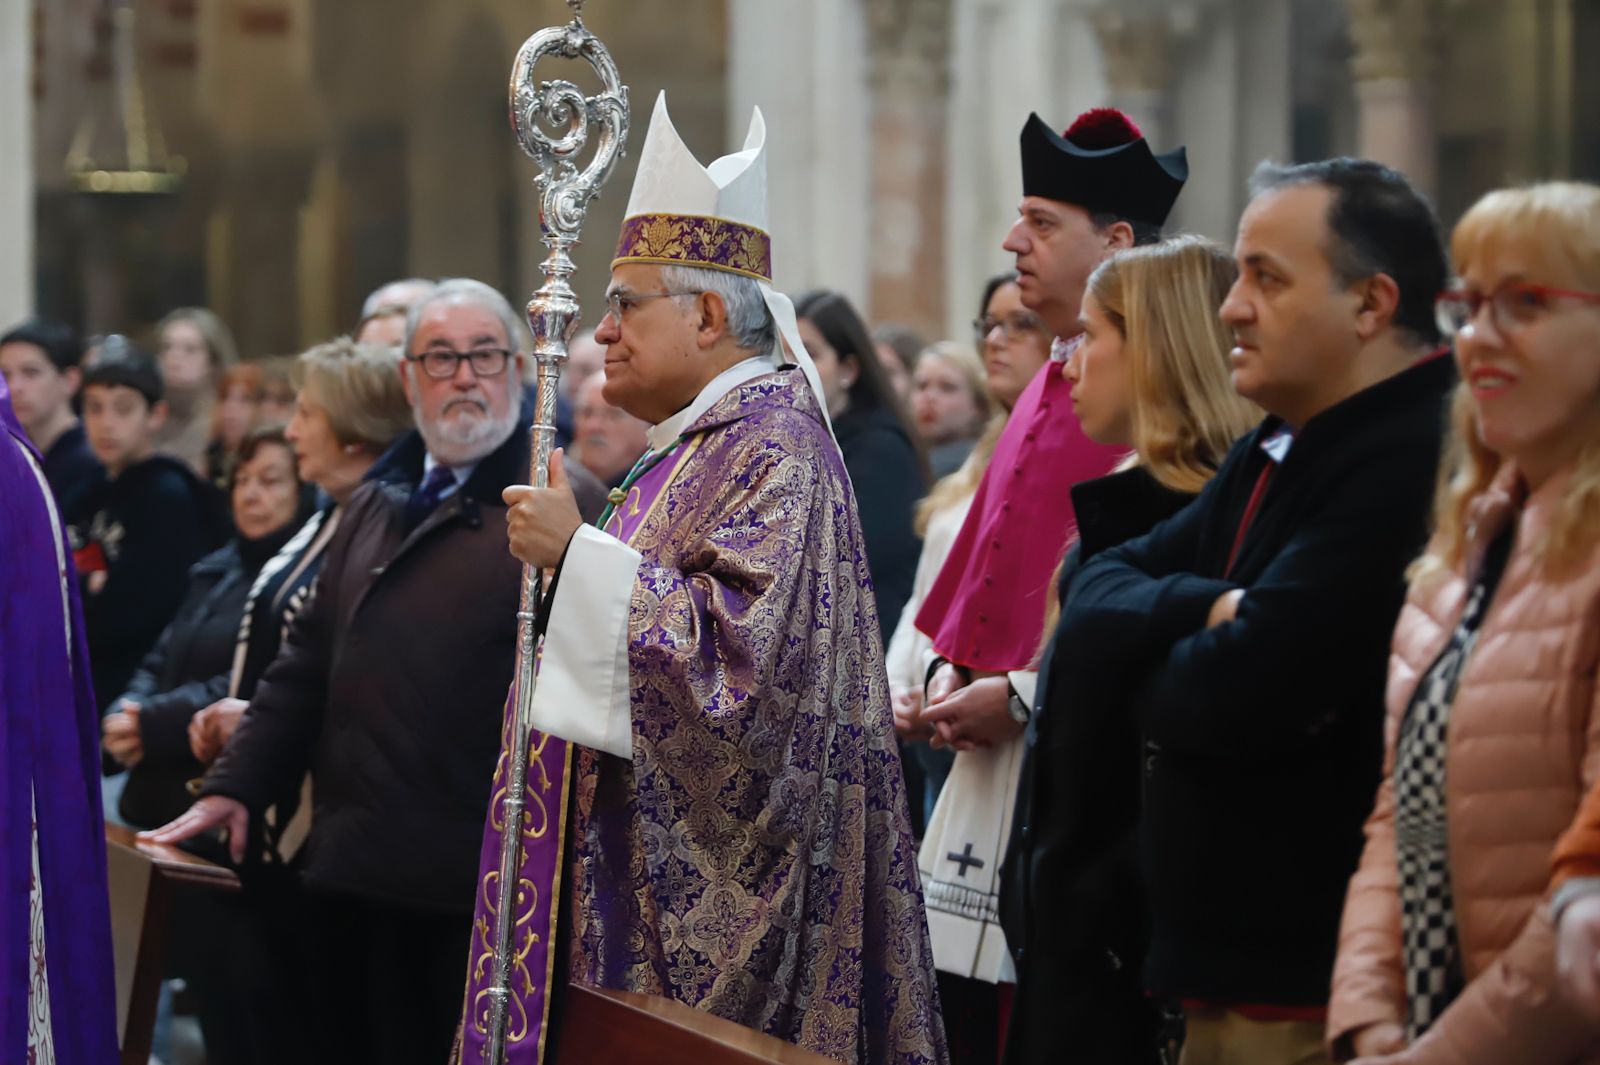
[695,240]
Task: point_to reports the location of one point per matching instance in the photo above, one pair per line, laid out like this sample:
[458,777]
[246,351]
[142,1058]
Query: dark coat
[1264,734]
[888,482]
[186,672]
[71,468]
[389,688]
[948,458]
[1071,902]
[140,533]
[279,598]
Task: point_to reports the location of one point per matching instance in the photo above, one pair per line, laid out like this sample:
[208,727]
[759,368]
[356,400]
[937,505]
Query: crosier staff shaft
[553,314]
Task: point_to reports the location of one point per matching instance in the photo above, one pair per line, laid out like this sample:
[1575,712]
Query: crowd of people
[1240,616]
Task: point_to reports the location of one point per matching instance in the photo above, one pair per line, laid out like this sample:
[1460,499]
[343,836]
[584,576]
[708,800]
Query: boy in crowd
[136,534]
[41,363]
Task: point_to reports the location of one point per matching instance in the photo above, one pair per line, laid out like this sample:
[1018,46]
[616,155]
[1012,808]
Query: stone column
[253,239]
[357,215]
[16,147]
[1393,64]
[1007,58]
[805,66]
[254,73]
[1137,50]
[909,77]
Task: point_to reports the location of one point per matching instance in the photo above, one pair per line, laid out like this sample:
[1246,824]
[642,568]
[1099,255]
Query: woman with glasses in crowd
[1447,950]
[1013,344]
[147,729]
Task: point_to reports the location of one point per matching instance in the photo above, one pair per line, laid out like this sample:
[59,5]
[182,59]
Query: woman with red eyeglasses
[1448,951]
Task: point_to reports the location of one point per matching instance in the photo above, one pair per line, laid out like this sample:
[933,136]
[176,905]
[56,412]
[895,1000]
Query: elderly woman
[1447,953]
[350,408]
[246,970]
[188,668]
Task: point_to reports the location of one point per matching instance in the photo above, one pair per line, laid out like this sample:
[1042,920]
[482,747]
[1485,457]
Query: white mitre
[715,217]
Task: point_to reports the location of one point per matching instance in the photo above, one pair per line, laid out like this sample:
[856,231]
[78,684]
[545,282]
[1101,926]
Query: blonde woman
[949,404]
[1151,375]
[1447,952]
[195,349]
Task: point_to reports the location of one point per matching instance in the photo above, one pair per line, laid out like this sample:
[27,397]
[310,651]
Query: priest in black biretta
[1104,165]
[1070,897]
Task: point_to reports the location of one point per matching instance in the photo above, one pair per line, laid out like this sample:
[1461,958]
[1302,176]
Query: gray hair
[399,295]
[457,445]
[466,290]
[750,324]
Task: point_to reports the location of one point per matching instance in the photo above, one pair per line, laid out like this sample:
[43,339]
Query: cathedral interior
[277,159]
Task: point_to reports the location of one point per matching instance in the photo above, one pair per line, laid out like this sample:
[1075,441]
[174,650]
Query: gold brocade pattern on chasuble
[753,857]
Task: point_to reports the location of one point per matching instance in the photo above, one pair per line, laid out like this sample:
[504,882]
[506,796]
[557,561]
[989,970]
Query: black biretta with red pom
[1102,163]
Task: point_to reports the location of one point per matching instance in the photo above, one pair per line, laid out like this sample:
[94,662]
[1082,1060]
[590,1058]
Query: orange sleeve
[1578,850]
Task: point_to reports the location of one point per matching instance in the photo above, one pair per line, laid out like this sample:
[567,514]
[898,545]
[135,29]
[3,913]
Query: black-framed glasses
[442,363]
[620,303]
[1511,306]
[1014,325]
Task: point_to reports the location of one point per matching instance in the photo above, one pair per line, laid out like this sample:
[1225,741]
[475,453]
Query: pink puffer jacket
[1523,748]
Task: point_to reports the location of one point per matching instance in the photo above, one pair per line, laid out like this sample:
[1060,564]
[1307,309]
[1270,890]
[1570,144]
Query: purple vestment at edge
[49,768]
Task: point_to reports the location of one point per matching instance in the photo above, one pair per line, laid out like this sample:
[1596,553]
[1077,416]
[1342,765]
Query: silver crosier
[565,193]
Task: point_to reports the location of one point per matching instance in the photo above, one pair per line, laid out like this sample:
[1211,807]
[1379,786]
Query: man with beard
[389,688]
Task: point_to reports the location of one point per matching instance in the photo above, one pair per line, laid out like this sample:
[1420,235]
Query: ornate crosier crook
[553,313]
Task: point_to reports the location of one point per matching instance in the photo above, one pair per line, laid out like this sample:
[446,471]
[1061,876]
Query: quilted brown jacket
[1522,750]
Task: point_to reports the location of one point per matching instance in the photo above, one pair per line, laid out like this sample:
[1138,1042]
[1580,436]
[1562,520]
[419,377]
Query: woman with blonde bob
[1151,374]
[1447,950]
[349,410]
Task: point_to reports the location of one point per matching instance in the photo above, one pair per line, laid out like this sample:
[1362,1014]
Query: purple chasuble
[49,772]
[754,857]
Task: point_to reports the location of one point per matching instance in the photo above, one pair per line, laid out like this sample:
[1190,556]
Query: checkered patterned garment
[1431,952]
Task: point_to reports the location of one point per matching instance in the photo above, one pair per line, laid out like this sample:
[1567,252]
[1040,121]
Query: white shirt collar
[1277,445]
[662,436]
[1061,348]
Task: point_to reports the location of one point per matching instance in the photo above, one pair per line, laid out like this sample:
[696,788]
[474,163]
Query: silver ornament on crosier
[565,193]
